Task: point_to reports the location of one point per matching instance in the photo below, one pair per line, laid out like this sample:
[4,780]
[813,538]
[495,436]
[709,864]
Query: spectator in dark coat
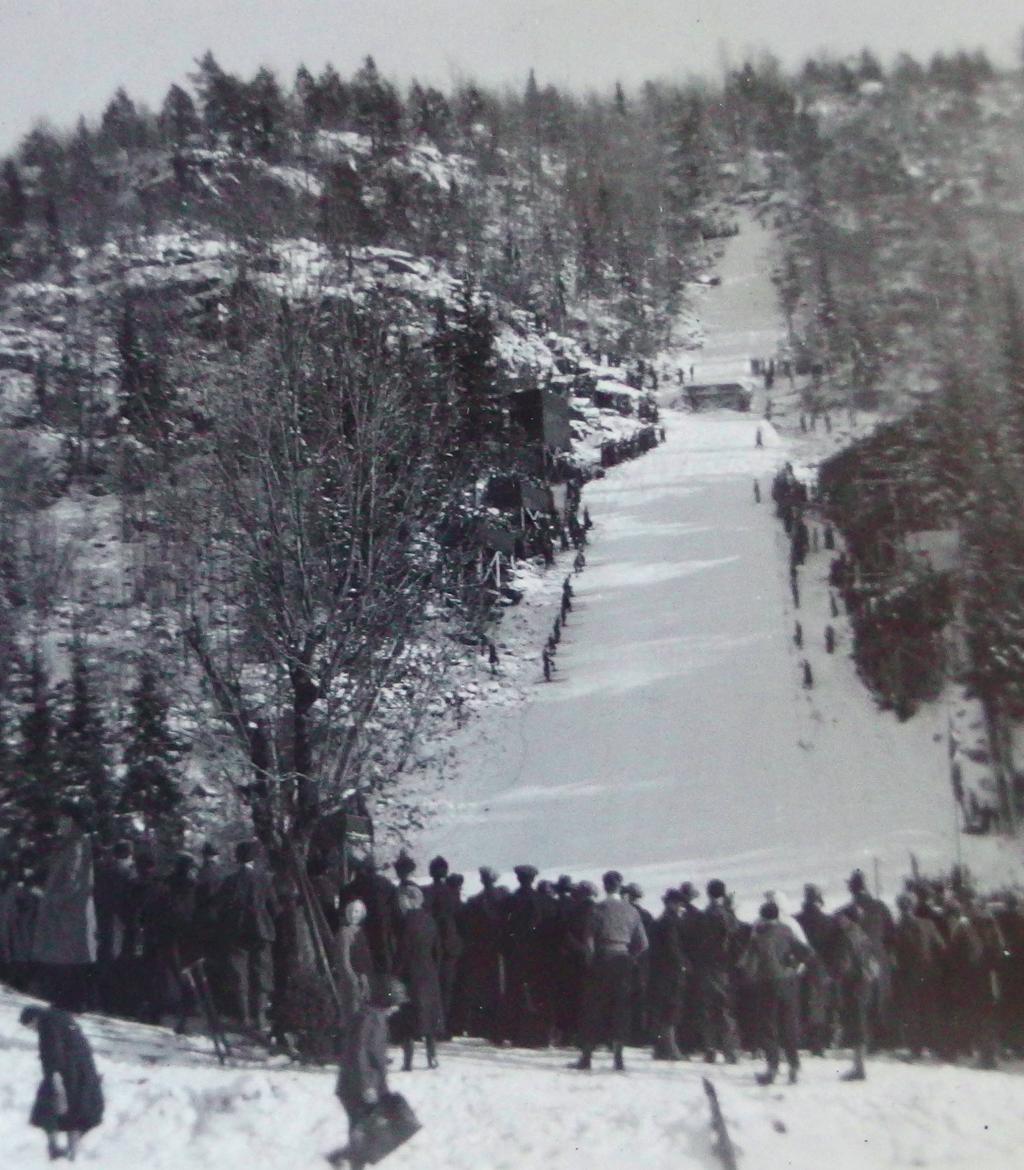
[417,964]
[64,944]
[363,1069]
[617,939]
[856,971]
[442,903]
[918,954]
[773,963]
[670,972]
[482,963]
[691,929]
[877,923]
[577,931]
[525,962]
[818,995]
[70,1097]
[715,959]
[246,910]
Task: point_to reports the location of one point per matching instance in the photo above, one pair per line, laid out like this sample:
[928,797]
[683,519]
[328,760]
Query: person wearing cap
[818,997]
[670,975]
[772,964]
[856,970]
[70,1097]
[64,942]
[417,964]
[526,1007]
[482,964]
[639,1016]
[441,901]
[247,910]
[715,961]
[616,939]
[877,923]
[919,951]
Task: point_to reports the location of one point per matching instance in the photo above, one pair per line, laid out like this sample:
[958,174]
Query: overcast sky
[63,58]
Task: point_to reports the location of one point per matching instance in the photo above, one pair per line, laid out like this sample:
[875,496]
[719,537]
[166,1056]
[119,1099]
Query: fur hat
[488,874]
[564,883]
[404,864]
[526,873]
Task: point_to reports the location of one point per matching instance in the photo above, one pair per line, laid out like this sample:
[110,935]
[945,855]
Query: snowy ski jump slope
[677,740]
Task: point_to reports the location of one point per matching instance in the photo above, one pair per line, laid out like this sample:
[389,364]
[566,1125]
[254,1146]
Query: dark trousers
[607,1000]
[718,1013]
[778,1008]
[250,970]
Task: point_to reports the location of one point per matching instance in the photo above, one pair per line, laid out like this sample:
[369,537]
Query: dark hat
[716,888]
[632,890]
[586,889]
[438,867]
[769,911]
[526,873]
[455,880]
[688,891]
[404,864]
[673,898]
[564,883]
[812,893]
[611,880]
[488,873]
[858,882]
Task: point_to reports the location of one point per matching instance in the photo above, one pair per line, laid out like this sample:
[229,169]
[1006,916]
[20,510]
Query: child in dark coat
[70,1097]
[362,1076]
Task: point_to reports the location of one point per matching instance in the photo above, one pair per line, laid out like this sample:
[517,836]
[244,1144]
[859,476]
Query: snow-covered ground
[170,1107]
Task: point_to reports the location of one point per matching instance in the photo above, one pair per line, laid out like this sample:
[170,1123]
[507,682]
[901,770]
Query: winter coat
[616,927]
[111,897]
[856,965]
[64,1050]
[417,964]
[444,904]
[65,928]
[773,954]
[918,949]
[246,908]
[719,930]
[670,969]
[364,1061]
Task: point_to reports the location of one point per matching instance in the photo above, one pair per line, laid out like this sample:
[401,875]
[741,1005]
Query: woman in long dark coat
[70,1097]
[417,964]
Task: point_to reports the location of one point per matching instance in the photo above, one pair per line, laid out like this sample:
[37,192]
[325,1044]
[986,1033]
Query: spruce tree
[38,782]
[83,751]
[151,788]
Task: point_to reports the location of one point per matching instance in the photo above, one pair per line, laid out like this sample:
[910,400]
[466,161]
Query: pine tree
[13,201]
[36,760]
[83,751]
[178,117]
[151,788]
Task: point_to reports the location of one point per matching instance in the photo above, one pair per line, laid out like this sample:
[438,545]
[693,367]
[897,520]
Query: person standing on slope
[70,1097]
[617,939]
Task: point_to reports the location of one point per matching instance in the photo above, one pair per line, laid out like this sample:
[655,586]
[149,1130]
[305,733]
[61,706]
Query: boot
[406,1056]
[856,1073]
[583,1064]
[617,1062]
